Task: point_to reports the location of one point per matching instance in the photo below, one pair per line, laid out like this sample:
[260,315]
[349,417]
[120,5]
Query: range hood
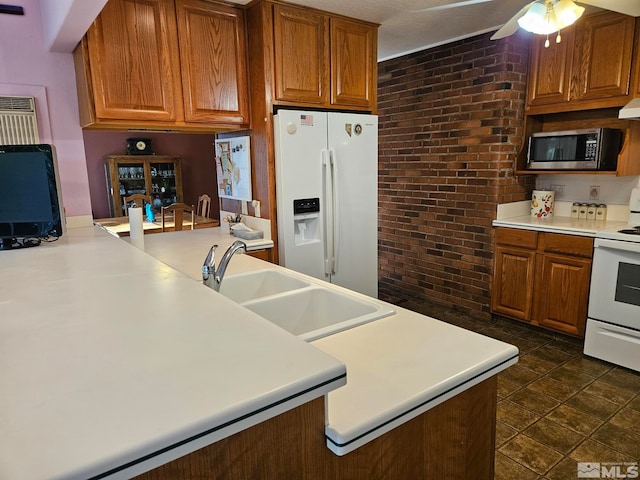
[631,110]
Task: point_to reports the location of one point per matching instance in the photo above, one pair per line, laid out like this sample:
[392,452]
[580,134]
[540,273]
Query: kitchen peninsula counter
[105,345]
[111,362]
[398,367]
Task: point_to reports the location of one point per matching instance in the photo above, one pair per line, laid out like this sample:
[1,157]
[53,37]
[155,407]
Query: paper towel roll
[542,203]
[136,231]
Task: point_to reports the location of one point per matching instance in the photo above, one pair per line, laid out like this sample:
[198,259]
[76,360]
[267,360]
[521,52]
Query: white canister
[583,210]
[601,212]
[542,203]
[591,211]
[575,210]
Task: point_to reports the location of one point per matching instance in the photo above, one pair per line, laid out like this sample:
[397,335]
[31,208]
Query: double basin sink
[305,307]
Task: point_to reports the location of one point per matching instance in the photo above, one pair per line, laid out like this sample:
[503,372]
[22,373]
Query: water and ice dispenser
[306,218]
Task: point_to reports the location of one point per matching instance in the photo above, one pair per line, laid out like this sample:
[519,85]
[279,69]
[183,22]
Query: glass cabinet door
[131,178]
[159,176]
[163,184]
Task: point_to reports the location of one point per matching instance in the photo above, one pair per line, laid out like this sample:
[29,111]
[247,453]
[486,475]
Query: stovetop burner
[630,231]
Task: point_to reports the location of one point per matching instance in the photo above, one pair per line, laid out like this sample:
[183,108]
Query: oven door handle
[618,245]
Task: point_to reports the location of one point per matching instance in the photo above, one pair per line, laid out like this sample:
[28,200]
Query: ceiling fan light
[534,20]
[548,17]
[567,13]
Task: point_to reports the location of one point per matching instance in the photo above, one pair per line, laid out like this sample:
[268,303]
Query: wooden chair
[137,198]
[204,205]
[178,210]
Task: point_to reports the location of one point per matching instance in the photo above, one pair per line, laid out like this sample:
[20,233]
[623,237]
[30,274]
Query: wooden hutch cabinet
[164,64]
[159,176]
[542,278]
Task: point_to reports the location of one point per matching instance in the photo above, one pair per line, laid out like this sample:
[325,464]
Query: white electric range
[613,324]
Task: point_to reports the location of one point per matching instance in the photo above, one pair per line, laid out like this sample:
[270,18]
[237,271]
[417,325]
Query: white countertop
[185,251]
[518,215]
[107,356]
[557,224]
[397,367]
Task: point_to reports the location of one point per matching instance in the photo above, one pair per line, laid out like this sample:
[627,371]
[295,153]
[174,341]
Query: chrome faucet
[211,277]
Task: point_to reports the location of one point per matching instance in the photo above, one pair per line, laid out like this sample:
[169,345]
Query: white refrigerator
[327,196]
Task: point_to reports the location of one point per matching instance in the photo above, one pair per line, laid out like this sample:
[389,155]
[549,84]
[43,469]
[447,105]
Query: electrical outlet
[594,192]
[559,189]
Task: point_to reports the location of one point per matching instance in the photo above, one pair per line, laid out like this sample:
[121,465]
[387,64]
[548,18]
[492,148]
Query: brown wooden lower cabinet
[564,294]
[454,440]
[261,254]
[542,278]
[514,269]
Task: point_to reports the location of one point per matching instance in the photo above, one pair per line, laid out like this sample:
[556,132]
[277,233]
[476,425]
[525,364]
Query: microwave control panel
[591,147]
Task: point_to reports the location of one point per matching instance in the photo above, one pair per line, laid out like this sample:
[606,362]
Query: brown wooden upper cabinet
[590,68]
[174,64]
[301,40]
[635,76]
[323,60]
[353,63]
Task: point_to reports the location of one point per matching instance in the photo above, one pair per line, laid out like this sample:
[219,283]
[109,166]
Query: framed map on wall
[233,168]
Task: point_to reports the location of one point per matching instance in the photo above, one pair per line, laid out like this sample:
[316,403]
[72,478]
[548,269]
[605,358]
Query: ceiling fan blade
[511,26]
[627,7]
[447,6]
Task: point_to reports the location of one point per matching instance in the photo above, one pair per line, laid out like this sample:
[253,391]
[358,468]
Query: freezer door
[300,146]
[353,148]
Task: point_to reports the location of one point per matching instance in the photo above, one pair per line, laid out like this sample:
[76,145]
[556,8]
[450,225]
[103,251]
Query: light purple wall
[195,151]
[28,68]
[66,21]
[25,61]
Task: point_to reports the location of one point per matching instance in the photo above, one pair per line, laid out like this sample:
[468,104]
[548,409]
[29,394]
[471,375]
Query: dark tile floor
[556,406]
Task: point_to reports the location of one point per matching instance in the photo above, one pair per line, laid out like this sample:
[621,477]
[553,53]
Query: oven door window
[614,296]
[628,284]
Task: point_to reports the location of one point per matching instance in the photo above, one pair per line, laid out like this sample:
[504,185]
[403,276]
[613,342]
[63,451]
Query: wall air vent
[18,121]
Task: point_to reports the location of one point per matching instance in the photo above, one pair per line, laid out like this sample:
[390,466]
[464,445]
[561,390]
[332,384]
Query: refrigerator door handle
[335,213]
[327,231]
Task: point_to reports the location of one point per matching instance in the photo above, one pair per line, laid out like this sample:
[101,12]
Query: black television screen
[30,209]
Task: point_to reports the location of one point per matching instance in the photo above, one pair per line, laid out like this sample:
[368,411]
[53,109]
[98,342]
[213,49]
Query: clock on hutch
[139,146]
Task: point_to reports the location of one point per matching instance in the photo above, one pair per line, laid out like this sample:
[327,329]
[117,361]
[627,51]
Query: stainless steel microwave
[585,149]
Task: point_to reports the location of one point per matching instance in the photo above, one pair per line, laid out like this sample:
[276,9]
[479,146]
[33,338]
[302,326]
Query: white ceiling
[404,29]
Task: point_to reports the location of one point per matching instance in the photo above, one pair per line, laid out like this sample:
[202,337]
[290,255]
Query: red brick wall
[450,126]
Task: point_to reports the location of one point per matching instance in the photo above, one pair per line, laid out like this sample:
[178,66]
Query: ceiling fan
[548,16]
[538,7]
